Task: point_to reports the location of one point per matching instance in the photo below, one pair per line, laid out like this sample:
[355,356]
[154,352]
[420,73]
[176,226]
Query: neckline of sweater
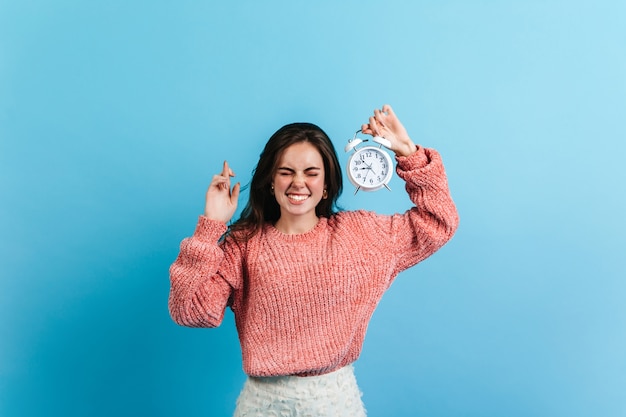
[273,231]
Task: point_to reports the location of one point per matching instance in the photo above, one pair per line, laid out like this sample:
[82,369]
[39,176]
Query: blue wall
[115,115]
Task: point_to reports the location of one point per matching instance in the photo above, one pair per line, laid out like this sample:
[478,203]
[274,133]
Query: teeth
[298,197]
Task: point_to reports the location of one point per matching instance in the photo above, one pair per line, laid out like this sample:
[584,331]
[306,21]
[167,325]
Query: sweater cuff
[416,160]
[209,230]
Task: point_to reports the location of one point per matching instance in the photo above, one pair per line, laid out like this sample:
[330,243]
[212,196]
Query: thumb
[234,196]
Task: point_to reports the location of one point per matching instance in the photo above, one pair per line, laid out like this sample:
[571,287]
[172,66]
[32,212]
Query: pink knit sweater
[302,302]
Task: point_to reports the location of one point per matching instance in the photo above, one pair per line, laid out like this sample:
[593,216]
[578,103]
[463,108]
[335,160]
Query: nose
[298,179]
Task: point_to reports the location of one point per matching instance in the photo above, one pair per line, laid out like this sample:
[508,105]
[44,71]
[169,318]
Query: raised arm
[205,273]
[433,220]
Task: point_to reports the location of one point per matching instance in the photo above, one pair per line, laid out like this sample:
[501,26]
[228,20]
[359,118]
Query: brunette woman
[301,277]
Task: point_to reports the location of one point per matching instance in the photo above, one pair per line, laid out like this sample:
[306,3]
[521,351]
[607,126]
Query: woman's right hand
[221,201]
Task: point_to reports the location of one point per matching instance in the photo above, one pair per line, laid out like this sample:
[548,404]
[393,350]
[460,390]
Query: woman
[302,279]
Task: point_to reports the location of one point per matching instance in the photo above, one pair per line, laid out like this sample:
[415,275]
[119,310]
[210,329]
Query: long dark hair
[262,207]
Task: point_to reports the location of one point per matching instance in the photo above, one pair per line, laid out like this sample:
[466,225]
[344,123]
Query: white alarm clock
[370,168]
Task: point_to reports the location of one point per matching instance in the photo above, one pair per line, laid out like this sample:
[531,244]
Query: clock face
[370,168]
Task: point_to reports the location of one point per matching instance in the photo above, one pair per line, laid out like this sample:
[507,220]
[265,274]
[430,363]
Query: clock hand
[371,169]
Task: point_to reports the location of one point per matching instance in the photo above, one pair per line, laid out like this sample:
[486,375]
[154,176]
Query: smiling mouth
[297,197]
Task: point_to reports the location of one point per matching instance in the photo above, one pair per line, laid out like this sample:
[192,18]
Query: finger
[220,182]
[234,196]
[374,126]
[380,116]
[227,173]
[228,170]
[387,109]
[225,169]
[217,179]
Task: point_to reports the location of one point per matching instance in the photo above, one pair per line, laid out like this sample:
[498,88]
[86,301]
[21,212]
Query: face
[299,182]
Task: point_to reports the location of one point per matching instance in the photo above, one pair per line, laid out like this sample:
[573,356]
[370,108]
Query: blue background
[114,116]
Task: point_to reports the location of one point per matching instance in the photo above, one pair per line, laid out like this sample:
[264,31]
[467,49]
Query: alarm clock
[370,168]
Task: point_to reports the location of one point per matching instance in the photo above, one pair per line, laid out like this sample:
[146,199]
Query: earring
[324,194]
[272,189]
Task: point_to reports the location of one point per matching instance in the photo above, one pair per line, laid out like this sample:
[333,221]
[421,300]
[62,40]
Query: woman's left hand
[386,124]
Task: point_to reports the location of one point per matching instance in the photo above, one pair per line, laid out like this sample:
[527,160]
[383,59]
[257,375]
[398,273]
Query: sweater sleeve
[432,222]
[419,232]
[203,276]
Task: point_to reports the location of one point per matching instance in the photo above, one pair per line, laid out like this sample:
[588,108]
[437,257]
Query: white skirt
[335,394]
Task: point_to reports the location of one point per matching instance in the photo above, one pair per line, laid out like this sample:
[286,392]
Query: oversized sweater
[302,302]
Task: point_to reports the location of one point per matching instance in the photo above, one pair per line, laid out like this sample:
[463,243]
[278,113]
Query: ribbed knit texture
[302,302]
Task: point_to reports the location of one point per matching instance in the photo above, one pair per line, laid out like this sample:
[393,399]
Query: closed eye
[285,171]
[312,172]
